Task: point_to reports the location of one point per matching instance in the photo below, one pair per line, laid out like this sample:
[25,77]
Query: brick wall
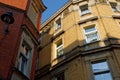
[9,43]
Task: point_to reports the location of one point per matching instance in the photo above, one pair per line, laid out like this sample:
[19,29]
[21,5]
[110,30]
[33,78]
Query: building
[81,41]
[19,31]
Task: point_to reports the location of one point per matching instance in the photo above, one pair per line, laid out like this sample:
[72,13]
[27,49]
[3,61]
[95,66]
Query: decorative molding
[31,36]
[57,35]
[56,14]
[73,54]
[88,19]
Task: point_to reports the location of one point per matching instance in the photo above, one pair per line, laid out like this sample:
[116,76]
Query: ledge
[88,19]
[77,52]
[57,35]
[116,16]
[42,71]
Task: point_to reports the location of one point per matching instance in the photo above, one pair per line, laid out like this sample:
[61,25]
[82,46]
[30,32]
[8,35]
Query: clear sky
[52,7]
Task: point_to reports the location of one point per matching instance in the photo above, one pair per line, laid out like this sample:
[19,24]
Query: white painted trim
[96,31]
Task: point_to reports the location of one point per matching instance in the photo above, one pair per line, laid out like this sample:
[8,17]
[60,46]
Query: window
[84,9]
[23,58]
[58,24]
[91,34]
[59,48]
[101,71]
[114,6]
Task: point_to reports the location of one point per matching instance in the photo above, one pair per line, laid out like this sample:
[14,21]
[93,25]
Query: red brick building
[18,46]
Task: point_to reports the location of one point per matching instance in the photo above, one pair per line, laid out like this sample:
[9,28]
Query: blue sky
[52,7]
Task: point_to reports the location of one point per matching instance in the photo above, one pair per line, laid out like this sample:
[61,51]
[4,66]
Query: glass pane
[59,43]
[85,12]
[114,6]
[101,66]
[105,76]
[58,23]
[89,29]
[84,8]
[60,50]
[23,64]
[92,37]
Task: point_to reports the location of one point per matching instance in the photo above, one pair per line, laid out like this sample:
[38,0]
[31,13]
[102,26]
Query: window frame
[23,56]
[88,11]
[103,71]
[91,32]
[56,48]
[56,26]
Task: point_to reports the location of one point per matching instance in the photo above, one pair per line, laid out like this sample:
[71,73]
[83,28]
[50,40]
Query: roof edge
[55,14]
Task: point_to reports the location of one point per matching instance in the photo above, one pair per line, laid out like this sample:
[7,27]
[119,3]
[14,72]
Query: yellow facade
[89,30]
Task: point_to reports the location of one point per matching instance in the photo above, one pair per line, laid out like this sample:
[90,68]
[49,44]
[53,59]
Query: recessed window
[58,24]
[59,48]
[84,9]
[23,58]
[101,71]
[114,6]
[91,34]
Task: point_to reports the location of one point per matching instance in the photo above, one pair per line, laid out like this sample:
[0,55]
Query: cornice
[75,53]
[70,2]
[56,14]
[40,5]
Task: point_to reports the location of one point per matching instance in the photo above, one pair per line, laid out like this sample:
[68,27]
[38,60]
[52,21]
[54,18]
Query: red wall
[21,4]
[9,43]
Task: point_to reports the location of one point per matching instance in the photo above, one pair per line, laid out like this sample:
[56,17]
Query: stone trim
[88,19]
[116,16]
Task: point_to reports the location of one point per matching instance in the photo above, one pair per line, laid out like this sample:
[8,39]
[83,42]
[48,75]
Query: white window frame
[103,71]
[22,56]
[59,47]
[84,12]
[91,32]
[56,26]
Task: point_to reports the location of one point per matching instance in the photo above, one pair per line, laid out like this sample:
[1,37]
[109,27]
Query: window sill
[116,16]
[91,45]
[57,34]
[57,31]
[88,19]
[116,11]
[86,14]
[58,59]
[92,42]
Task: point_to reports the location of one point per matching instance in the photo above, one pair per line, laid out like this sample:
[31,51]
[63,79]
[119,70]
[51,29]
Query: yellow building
[81,41]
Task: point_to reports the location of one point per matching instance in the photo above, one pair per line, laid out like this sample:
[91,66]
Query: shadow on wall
[73,50]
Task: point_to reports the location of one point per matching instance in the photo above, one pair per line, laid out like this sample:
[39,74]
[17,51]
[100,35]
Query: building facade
[19,32]
[81,41]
